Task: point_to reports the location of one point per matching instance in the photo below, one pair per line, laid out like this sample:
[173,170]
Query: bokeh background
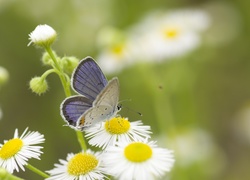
[197,104]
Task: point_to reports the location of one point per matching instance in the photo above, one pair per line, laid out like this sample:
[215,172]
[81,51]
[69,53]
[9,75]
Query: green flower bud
[69,64]
[4,75]
[38,85]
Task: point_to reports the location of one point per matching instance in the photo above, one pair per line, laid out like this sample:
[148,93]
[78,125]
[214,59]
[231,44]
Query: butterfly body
[98,99]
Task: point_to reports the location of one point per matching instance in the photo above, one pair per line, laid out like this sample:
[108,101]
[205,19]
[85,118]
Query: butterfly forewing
[110,94]
[74,107]
[88,79]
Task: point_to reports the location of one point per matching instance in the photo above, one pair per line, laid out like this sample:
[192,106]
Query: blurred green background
[197,104]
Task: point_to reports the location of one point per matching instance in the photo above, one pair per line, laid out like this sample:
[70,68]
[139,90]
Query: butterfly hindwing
[74,107]
[95,115]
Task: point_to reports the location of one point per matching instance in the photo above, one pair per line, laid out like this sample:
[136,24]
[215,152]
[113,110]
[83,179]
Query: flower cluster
[44,36]
[126,154]
[159,36]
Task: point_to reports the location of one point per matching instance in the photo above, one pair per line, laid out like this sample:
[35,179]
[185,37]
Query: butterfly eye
[119,107]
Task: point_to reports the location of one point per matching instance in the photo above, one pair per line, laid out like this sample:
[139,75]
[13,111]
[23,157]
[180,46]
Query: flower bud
[43,36]
[69,64]
[38,85]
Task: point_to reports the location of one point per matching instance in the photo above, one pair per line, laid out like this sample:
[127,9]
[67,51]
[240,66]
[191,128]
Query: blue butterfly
[97,100]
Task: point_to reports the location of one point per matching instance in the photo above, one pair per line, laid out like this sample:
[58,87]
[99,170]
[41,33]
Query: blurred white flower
[167,34]
[82,166]
[43,35]
[159,36]
[137,160]
[117,129]
[115,50]
[15,152]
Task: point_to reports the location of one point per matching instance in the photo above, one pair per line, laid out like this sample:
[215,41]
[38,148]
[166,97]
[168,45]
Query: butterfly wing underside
[104,107]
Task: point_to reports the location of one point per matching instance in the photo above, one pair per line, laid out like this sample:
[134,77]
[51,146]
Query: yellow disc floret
[117,49]
[10,148]
[117,125]
[82,163]
[138,152]
[171,33]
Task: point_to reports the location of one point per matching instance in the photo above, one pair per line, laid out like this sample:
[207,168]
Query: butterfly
[97,100]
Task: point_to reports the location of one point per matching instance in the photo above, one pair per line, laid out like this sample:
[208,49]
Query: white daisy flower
[116,50]
[192,19]
[116,129]
[43,35]
[15,152]
[137,160]
[82,166]
[163,35]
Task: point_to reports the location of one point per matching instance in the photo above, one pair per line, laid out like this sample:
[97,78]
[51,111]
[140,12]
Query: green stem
[37,171]
[161,97]
[164,111]
[65,80]
[81,140]
[48,72]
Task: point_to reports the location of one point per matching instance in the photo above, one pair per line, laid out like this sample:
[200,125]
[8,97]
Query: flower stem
[81,140]
[48,72]
[37,171]
[65,80]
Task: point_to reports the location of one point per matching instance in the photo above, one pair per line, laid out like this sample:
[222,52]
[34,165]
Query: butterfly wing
[73,108]
[110,94]
[104,107]
[88,79]
[94,115]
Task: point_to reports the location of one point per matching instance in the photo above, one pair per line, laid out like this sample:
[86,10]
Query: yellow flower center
[117,49]
[117,125]
[10,148]
[170,33]
[138,152]
[81,164]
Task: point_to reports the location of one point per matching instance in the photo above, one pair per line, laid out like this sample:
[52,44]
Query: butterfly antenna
[137,112]
[125,100]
